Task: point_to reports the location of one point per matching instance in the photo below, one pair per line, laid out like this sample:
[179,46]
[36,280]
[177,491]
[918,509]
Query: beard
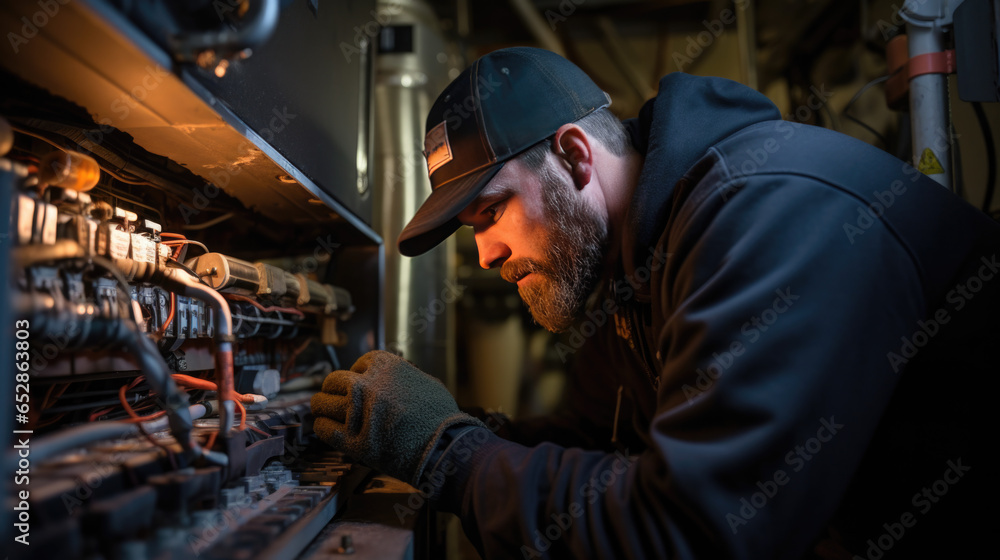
[565,276]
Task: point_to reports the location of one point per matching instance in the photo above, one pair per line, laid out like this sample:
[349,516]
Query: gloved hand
[385,413]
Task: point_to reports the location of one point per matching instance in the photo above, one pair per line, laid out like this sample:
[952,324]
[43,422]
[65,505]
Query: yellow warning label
[929,164]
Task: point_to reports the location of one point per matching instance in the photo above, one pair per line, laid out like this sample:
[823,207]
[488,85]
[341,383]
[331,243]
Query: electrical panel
[188,254]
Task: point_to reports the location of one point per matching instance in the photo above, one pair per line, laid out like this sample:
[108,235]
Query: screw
[346,545]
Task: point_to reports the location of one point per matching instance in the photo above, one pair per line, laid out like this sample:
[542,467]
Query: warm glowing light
[70,170]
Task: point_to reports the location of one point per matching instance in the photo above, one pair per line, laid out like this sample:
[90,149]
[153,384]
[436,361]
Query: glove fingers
[329,431]
[339,382]
[330,406]
[362,364]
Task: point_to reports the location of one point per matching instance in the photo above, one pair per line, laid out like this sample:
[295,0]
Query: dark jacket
[800,324]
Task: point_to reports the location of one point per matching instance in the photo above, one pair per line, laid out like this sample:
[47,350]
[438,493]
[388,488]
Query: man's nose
[492,252]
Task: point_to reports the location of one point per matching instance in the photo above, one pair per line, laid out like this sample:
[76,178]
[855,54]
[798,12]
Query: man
[798,323]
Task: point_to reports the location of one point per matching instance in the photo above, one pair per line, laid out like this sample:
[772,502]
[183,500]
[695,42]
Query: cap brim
[436,218]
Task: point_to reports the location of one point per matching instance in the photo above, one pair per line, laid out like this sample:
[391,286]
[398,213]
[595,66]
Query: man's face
[544,235]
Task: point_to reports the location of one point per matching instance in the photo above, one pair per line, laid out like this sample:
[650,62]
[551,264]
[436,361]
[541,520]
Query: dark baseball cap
[506,102]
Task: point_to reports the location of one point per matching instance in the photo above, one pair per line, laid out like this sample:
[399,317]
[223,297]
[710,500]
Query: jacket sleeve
[773,376]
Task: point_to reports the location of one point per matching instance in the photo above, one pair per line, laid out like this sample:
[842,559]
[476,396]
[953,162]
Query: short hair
[601,125]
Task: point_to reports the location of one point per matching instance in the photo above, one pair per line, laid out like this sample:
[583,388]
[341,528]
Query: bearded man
[790,313]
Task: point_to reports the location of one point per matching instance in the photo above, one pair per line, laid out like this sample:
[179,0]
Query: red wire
[95,415]
[124,401]
[137,418]
[170,317]
[259,431]
[243,415]
[178,246]
[238,297]
[152,416]
[194,382]
[128,408]
[131,412]
[206,385]
[211,439]
[290,362]
[184,381]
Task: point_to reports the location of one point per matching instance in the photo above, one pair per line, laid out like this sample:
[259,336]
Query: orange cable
[125,405]
[170,317]
[243,415]
[211,439]
[206,385]
[137,418]
[259,431]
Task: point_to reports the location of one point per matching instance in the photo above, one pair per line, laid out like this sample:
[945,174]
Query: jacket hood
[674,130]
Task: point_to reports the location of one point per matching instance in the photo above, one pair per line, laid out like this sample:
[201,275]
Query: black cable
[991,159]
[72,438]
[140,388]
[854,99]
[89,405]
[874,132]
[150,361]
[158,376]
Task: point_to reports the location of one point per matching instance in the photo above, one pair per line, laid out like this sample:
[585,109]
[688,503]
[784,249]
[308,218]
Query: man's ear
[572,145]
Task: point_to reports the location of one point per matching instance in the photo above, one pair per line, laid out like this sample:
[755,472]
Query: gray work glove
[385,413]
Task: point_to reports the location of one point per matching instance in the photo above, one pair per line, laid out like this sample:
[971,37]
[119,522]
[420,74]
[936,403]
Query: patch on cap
[436,148]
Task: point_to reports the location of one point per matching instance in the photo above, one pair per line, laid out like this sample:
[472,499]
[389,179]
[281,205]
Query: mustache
[512,271]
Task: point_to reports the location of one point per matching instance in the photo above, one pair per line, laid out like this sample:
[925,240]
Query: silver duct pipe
[930,107]
[420,293]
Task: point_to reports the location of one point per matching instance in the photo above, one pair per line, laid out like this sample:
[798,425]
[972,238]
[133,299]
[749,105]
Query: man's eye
[494,211]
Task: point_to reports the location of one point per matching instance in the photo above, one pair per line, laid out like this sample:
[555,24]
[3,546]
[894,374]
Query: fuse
[70,170]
